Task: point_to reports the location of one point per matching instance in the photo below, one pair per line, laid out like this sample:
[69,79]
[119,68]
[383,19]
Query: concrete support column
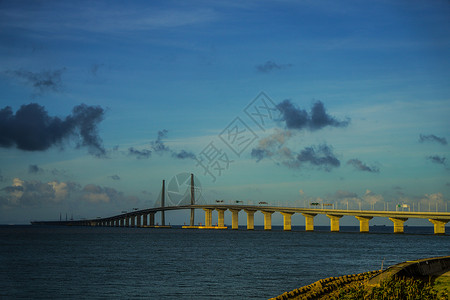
[363,223]
[152,219]
[208,216]
[121,222]
[287,216]
[127,221]
[138,221]
[235,219]
[309,221]
[334,222]
[250,218]
[439,225]
[117,222]
[133,221]
[398,224]
[220,217]
[145,219]
[267,219]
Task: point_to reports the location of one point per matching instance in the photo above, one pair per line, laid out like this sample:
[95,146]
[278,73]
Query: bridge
[146,217]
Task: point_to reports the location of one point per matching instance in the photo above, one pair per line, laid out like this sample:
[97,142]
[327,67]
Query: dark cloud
[270,66]
[432,138]
[321,156]
[437,159]
[140,154]
[34,193]
[359,165]
[32,129]
[12,189]
[260,153]
[183,154]
[41,82]
[320,118]
[114,177]
[34,169]
[158,146]
[297,118]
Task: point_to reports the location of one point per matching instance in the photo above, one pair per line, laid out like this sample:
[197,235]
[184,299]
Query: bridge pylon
[192,223]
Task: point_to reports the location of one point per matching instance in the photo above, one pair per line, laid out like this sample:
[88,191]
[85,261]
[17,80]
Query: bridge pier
[138,220]
[234,218]
[287,223]
[267,219]
[250,218]
[398,224]
[439,225]
[309,221]
[127,221]
[133,221]
[221,217]
[152,219]
[363,223]
[208,216]
[144,220]
[334,222]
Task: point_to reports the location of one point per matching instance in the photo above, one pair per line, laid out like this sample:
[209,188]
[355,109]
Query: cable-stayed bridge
[187,201]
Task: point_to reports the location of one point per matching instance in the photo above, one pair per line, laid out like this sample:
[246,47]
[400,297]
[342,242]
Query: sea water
[45,262]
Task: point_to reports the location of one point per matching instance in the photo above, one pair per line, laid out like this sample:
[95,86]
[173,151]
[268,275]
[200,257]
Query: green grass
[396,288]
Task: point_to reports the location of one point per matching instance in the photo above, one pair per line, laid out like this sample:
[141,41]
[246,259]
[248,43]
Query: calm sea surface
[140,263]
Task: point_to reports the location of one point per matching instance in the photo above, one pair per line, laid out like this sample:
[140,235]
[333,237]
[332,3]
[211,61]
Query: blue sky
[101,100]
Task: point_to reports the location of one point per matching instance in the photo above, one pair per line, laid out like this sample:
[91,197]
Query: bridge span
[146,217]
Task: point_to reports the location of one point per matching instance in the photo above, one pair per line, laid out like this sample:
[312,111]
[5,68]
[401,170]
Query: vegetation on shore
[394,288]
[354,287]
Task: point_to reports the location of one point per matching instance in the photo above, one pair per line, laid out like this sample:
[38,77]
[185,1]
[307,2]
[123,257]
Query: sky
[286,102]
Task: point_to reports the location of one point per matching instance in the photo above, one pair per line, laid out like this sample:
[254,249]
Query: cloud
[34,169]
[34,193]
[320,118]
[437,159]
[270,66]
[260,154]
[432,138]
[321,156]
[296,118]
[140,154]
[359,165]
[372,198]
[272,145]
[183,154]
[96,194]
[158,146]
[32,129]
[41,82]
[433,199]
[114,177]
[343,197]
